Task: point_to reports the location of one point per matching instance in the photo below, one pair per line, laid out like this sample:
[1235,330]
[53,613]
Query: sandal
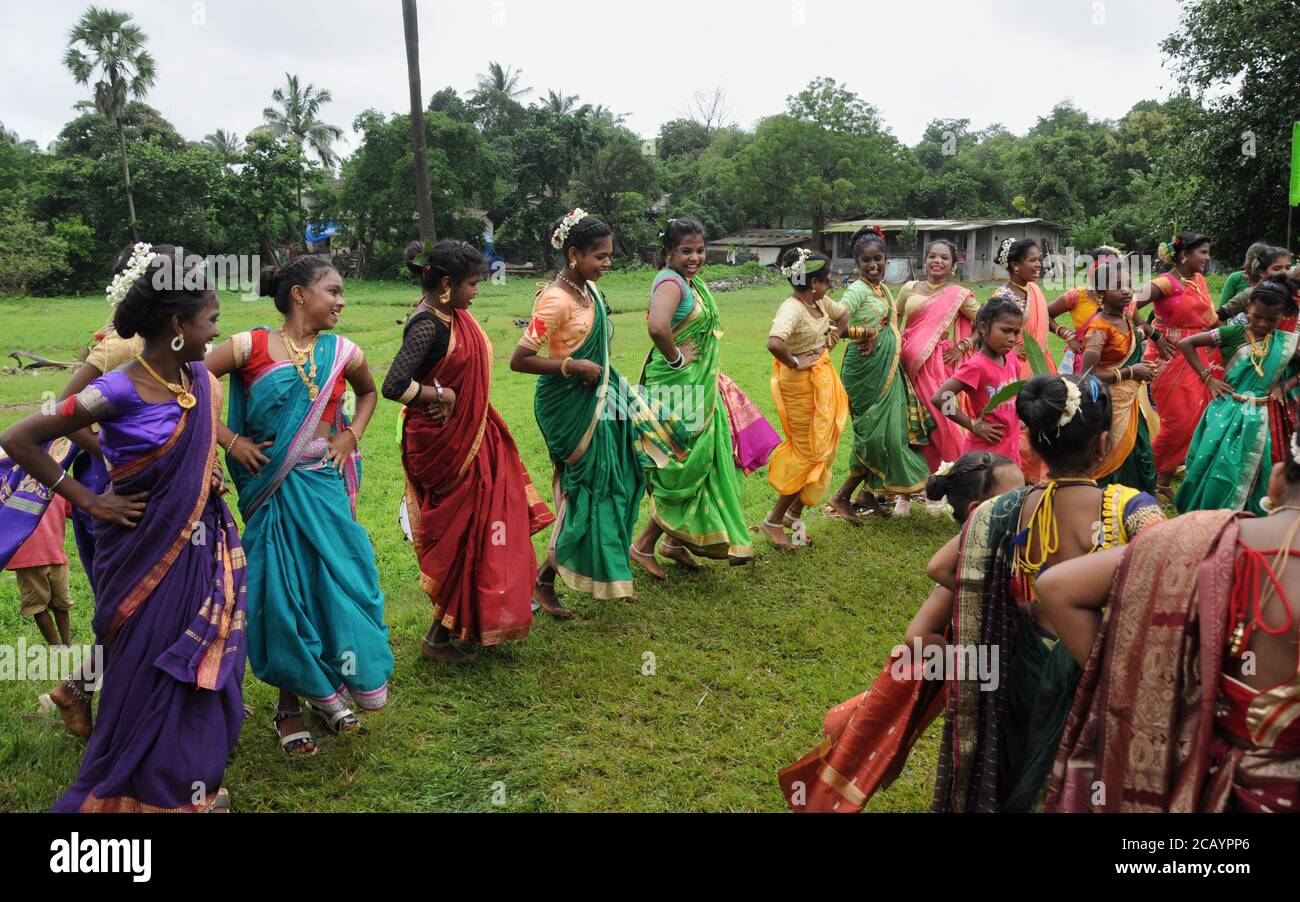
[294,742]
[343,721]
[222,804]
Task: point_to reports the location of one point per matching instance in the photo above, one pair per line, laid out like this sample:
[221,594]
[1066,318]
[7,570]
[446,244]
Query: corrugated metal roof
[932,225]
[763,238]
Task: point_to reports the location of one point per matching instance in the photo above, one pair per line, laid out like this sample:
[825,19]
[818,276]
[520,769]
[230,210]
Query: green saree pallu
[601,439]
[697,500]
[1231,454]
[889,421]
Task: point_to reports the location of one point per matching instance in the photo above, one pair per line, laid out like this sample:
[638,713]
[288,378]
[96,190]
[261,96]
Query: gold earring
[573,264]
[445,297]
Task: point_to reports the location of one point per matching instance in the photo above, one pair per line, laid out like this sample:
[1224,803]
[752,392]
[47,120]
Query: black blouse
[424,344]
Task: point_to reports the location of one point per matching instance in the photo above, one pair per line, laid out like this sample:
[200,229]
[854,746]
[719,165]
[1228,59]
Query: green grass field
[746,660]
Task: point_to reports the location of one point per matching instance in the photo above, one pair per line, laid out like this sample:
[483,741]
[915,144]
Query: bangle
[796,361]
[437,387]
[354,434]
[62,476]
[1205,375]
[857,333]
[679,362]
[232,442]
[564,367]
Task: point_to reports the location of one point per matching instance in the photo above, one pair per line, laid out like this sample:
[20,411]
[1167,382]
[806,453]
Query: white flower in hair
[141,256]
[944,468]
[798,265]
[1295,447]
[1073,401]
[1004,253]
[561,233]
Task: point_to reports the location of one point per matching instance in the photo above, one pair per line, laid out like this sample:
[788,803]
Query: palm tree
[428,230]
[559,102]
[104,42]
[228,144]
[503,82]
[297,119]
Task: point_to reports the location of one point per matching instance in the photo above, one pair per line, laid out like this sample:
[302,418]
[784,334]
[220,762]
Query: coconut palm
[104,45]
[495,101]
[228,144]
[297,119]
[410,24]
[559,102]
[501,81]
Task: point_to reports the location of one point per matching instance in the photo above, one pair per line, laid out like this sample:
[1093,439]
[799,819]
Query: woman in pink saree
[938,315]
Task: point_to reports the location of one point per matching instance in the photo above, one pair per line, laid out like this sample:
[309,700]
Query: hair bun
[936,487]
[268,281]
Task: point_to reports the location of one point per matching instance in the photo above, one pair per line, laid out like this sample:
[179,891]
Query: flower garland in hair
[561,233]
[1295,447]
[945,468]
[141,256]
[1168,251]
[878,231]
[1073,401]
[802,266]
[1004,253]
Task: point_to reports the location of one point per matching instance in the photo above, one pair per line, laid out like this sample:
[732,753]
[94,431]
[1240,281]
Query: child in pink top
[41,565]
[993,367]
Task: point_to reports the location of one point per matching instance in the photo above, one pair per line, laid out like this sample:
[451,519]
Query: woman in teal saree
[316,612]
[1245,429]
[600,432]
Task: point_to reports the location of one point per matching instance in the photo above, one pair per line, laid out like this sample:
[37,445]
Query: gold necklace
[445,317]
[183,396]
[299,357]
[1258,350]
[581,289]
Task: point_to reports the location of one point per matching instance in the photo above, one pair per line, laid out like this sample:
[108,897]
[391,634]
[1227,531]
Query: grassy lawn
[746,660]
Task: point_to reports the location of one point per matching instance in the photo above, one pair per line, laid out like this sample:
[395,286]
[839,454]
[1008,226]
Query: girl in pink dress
[992,368]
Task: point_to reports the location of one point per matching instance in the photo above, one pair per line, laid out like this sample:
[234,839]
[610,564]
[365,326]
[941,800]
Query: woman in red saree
[1183,308]
[1200,637]
[471,503]
[938,316]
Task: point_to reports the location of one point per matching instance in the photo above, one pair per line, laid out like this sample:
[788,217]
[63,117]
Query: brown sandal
[73,704]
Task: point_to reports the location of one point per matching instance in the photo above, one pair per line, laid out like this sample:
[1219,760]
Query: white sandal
[338,721]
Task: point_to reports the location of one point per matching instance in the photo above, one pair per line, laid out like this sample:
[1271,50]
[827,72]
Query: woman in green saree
[889,422]
[601,433]
[1003,724]
[696,501]
[1245,428]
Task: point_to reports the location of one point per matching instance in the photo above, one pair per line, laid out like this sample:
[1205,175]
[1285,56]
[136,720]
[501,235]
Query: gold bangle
[232,442]
[564,367]
[354,435]
[857,333]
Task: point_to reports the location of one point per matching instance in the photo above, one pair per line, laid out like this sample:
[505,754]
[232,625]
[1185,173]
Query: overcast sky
[1006,61]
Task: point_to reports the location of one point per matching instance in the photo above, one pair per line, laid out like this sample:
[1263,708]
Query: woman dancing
[1113,344]
[938,316]
[472,502]
[1211,664]
[1247,426]
[999,739]
[890,424]
[809,396]
[602,434]
[1182,308]
[169,570]
[316,612]
[697,501]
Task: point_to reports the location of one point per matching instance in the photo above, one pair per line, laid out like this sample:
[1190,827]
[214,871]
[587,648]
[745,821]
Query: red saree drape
[472,505]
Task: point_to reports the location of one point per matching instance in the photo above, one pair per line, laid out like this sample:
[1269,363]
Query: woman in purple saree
[168,567]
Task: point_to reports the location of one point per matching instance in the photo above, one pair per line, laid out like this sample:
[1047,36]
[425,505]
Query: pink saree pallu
[753,438]
[927,336]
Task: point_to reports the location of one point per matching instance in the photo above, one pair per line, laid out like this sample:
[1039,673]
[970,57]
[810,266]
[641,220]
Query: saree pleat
[171,617]
[889,421]
[316,612]
[1179,397]
[697,500]
[1231,452]
[601,439]
[813,409]
[926,337]
[472,504]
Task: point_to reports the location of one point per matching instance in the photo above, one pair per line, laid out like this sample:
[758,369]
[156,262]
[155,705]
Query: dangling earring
[178,342]
[445,297]
[573,264]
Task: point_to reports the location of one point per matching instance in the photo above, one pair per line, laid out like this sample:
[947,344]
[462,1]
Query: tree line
[522,158]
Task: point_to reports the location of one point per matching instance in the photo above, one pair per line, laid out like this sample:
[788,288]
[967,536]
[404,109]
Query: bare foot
[777,535]
[74,707]
[867,501]
[839,508]
[544,595]
[443,651]
[647,562]
[681,555]
[630,599]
